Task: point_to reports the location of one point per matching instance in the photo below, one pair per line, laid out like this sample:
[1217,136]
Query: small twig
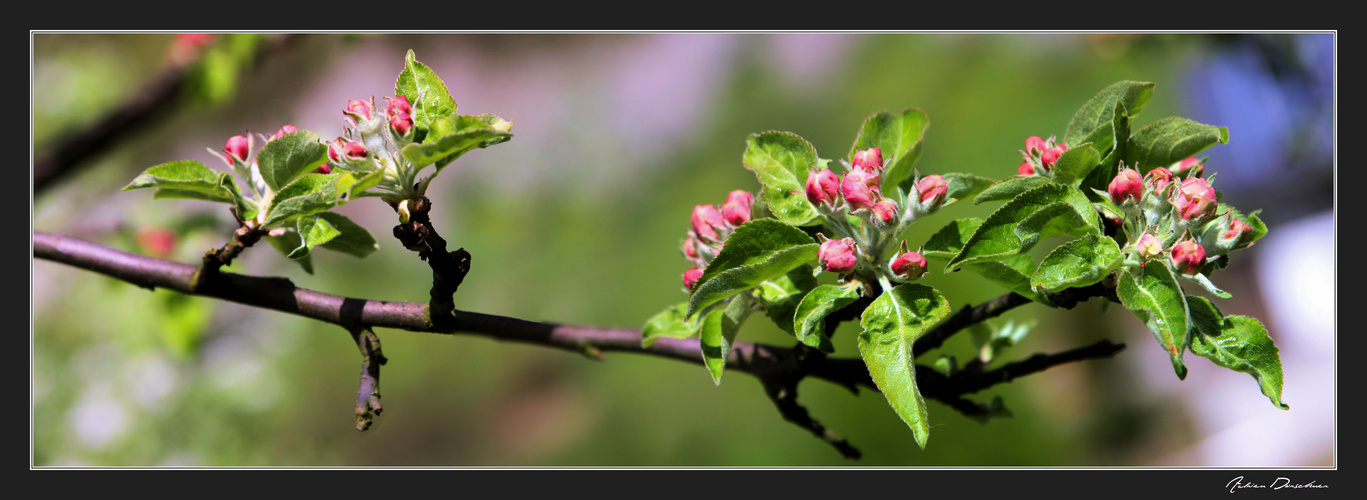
[965,317]
[779,372]
[368,395]
[448,268]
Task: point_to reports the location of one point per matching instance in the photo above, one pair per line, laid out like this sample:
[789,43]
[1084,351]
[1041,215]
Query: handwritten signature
[1239,483]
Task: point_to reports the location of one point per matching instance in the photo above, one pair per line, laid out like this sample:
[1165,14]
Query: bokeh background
[579,218]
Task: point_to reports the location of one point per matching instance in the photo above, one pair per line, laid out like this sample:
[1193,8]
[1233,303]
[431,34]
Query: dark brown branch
[448,268]
[242,238]
[157,97]
[965,317]
[368,395]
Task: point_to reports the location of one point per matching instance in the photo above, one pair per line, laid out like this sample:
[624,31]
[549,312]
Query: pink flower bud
[706,221]
[909,265]
[351,150]
[690,277]
[1034,144]
[885,210]
[856,190]
[933,189]
[690,248]
[1128,185]
[323,169]
[869,159]
[838,256]
[358,107]
[401,122]
[287,129]
[335,149]
[399,104]
[822,187]
[1194,199]
[1236,233]
[1050,156]
[1149,246]
[1188,256]
[238,147]
[1025,169]
[736,210]
[1159,178]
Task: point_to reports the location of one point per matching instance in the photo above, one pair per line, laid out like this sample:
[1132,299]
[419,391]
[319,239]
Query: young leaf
[1010,187]
[1075,163]
[891,324]
[1090,122]
[1018,225]
[758,251]
[184,179]
[1012,273]
[1204,281]
[427,94]
[669,323]
[719,332]
[287,243]
[1078,263]
[810,317]
[1153,295]
[313,231]
[308,195]
[285,159]
[1239,343]
[454,136]
[353,239]
[1171,140]
[949,240]
[899,138]
[780,296]
[1101,176]
[781,161]
[964,186]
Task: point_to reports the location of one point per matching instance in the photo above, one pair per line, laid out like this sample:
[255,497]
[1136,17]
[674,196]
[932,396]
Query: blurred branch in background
[158,96]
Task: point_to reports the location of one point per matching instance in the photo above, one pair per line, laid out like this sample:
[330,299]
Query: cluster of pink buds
[860,190]
[1040,154]
[237,153]
[711,227]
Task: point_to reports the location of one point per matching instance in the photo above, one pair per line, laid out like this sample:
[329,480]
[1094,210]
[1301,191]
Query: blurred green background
[579,219]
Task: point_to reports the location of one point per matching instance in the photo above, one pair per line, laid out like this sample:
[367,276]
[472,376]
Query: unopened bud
[404,214]
[869,159]
[287,129]
[885,210]
[1025,169]
[690,248]
[736,210]
[909,265]
[323,169]
[1159,178]
[706,221]
[1149,246]
[1237,232]
[838,256]
[823,187]
[1188,256]
[401,123]
[690,277]
[857,191]
[1051,155]
[933,190]
[237,148]
[1184,165]
[1127,185]
[358,107]
[399,104]
[1034,144]
[1194,199]
[350,150]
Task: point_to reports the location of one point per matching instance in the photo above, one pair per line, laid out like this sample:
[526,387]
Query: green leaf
[719,332]
[669,323]
[1171,140]
[1090,122]
[286,243]
[314,231]
[1075,163]
[809,320]
[964,186]
[285,159]
[1101,176]
[353,239]
[758,251]
[1012,273]
[1018,225]
[898,137]
[949,240]
[308,195]
[781,162]
[452,137]
[1239,343]
[427,94]
[185,179]
[1078,263]
[781,295]
[1153,295]
[891,324]
[1204,281]
[1010,187]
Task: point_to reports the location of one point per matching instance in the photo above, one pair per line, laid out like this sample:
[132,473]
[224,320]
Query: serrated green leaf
[1075,163]
[1171,140]
[1016,227]
[1077,263]
[184,179]
[670,323]
[313,231]
[284,159]
[426,92]
[286,243]
[758,251]
[898,137]
[719,332]
[780,295]
[1204,281]
[964,186]
[1010,187]
[1153,295]
[1099,111]
[891,324]
[452,137]
[809,319]
[308,195]
[1012,273]
[353,239]
[1239,343]
[781,162]
[1100,177]
[949,240]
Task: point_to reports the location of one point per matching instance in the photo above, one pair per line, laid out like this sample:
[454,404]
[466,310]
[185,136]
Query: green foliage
[1075,163]
[1171,140]
[781,161]
[1016,227]
[1010,187]
[898,137]
[758,251]
[809,319]
[1094,120]
[454,136]
[891,324]
[185,179]
[287,158]
[1153,295]
[780,296]
[1078,263]
[672,323]
[718,332]
[1239,343]
[426,92]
